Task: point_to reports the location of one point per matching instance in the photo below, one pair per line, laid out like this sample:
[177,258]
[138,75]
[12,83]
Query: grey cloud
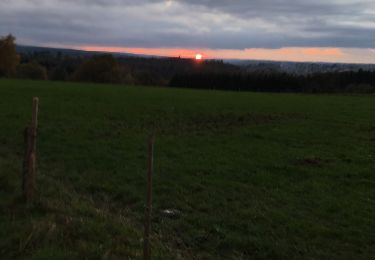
[222,24]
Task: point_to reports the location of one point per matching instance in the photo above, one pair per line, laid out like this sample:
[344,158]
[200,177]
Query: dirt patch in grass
[312,161]
[368,129]
[203,122]
[212,122]
[224,122]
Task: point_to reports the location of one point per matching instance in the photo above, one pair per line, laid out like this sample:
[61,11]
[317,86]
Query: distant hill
[22,49]
[298,68]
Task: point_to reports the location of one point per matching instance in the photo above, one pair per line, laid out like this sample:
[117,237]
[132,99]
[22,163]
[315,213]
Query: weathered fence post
[29,163]
[146,240]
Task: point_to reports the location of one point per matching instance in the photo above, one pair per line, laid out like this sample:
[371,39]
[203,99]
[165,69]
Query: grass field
[262,176]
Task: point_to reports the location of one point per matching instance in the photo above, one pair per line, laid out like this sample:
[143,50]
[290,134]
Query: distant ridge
[74,52]
[290,67]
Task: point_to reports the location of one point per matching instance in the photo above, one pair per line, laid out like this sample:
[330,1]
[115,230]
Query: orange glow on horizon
[283,54]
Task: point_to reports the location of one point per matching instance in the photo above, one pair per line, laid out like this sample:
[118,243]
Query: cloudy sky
[313,30]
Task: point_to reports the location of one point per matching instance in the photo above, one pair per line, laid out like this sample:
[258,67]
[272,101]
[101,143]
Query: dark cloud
[224,24]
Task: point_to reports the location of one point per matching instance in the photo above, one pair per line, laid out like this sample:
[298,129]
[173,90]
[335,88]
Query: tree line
[106,68]
[173,72]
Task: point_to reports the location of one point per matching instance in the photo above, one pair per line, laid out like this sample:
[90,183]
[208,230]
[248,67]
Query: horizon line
[208,53]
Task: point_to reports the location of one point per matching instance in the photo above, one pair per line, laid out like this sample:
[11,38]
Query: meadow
[249,175]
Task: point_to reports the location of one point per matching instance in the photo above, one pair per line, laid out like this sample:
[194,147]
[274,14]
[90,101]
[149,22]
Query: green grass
[263,176]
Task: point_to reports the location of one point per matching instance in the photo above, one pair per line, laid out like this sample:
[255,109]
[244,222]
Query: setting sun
[198,56]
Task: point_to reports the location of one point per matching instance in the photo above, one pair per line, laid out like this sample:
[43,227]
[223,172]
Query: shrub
[360,88]
[31,71]
[100,69]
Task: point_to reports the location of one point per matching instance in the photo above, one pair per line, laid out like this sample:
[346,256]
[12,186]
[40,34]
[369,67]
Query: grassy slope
[253,175]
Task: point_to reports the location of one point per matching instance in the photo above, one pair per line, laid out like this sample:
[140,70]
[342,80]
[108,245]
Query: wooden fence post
[29,164]
[146,240]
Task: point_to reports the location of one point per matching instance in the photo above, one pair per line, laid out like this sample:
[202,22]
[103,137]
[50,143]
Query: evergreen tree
[9,58]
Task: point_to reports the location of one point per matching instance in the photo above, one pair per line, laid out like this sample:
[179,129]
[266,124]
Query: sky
[294,30]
